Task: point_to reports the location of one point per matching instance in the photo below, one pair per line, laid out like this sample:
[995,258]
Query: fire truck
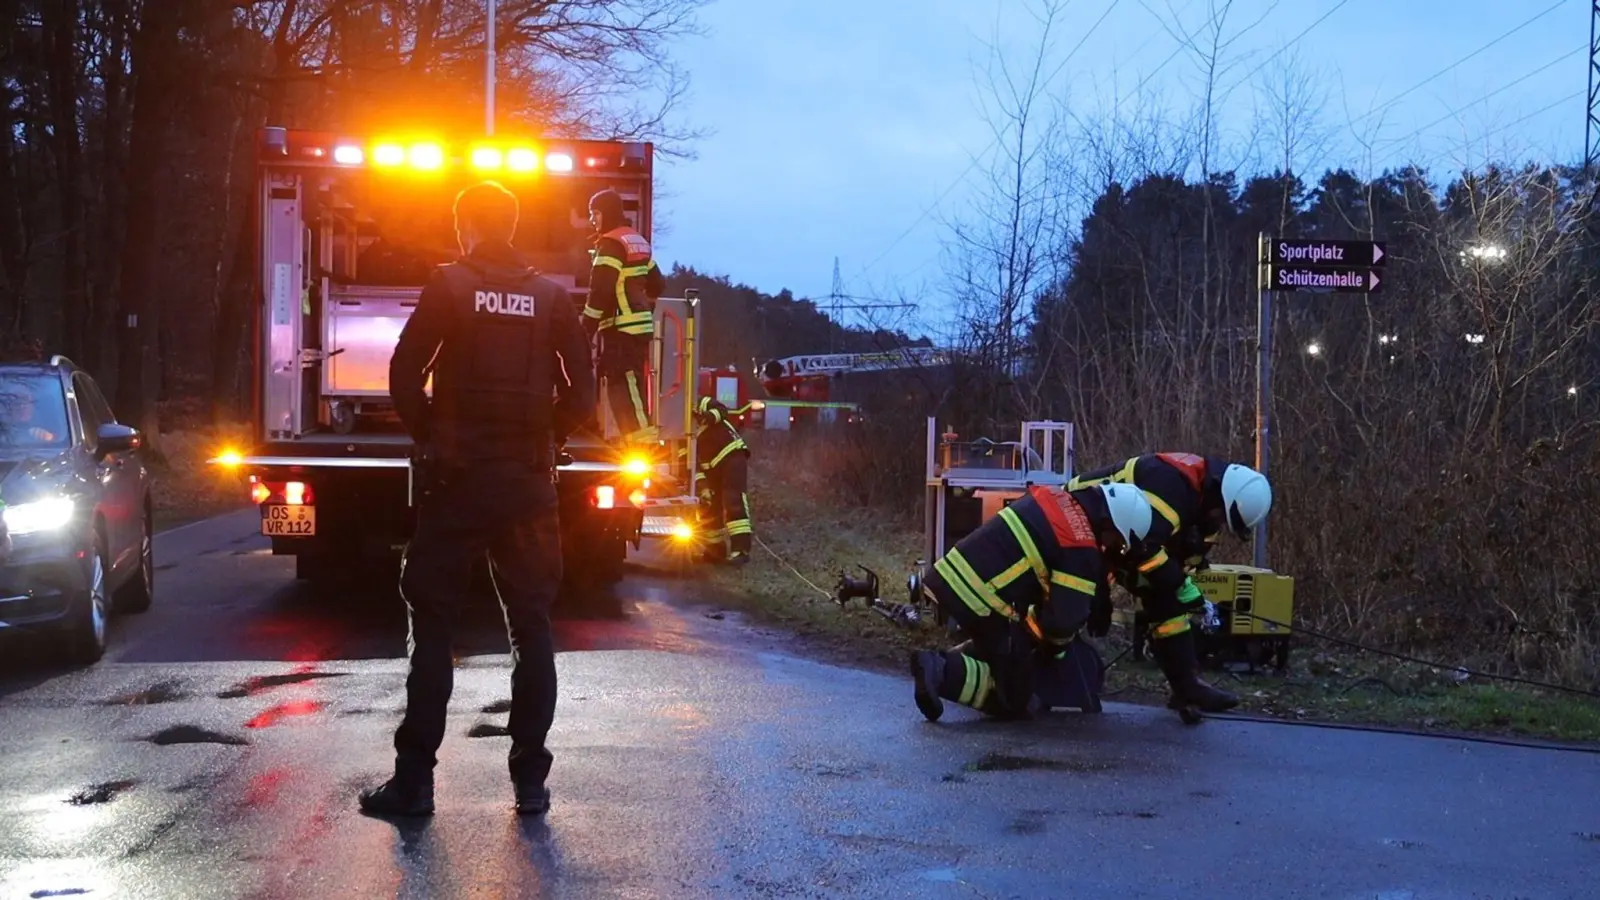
[349,228]
[801,386]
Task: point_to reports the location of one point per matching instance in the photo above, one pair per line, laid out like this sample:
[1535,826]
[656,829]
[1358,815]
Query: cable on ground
[785,563]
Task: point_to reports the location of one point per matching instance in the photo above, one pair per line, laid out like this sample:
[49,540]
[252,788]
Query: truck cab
[349,229]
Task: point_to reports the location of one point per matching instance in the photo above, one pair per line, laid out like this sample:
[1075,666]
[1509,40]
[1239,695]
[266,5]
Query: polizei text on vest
[502,304]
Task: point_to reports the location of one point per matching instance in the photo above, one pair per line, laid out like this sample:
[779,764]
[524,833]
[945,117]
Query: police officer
[723,462]
[1023,584]
[1196,499]
[503,343]
[624,284]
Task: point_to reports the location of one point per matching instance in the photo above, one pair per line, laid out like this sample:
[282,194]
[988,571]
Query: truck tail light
[296,493]
[605,496]
[637,499]
[259,493]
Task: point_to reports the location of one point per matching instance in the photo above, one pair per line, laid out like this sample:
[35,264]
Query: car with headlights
[77,510]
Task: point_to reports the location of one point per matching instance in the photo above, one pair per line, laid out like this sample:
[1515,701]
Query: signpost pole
[1263,380]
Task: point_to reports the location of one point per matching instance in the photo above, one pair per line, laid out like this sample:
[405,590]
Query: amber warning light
[423,154]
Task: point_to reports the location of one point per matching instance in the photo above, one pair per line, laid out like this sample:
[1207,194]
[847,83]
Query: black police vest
[493,380]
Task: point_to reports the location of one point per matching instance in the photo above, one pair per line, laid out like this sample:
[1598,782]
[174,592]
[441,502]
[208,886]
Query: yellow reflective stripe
[637,271]
[1074,582]
[969,684]
[1172,626]
[740,526]
[610,262]
[1160,506]
[946,571]
[1029,549]
[979,586]
[985,684]
[724,452]
[1017,570]
[592,313]
[1154,562]
[1123,475]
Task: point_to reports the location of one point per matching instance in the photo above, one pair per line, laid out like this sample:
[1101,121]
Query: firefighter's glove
[1099,623]
[1189,593]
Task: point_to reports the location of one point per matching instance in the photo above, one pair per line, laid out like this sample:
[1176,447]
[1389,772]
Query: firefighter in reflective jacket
[623,287]
[1196,499]
[723,469]
[511,379]
[1022,583]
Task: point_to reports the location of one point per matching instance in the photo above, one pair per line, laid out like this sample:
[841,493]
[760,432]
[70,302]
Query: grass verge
[808,537]
[186,488]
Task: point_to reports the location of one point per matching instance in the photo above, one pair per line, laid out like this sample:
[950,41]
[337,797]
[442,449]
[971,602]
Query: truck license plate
[281,520]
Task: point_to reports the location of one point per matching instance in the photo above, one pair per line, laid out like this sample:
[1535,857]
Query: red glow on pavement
[274,715]
[263,789]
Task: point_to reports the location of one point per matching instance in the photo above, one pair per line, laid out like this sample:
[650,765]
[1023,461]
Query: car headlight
[39,515]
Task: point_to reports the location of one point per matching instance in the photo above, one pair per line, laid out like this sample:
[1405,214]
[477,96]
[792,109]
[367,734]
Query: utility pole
[488,95]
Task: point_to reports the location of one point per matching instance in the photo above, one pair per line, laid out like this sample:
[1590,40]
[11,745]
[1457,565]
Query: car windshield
[33,411]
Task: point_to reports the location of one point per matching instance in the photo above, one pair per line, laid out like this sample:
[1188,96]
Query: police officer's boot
[402,795]
[533,798]
[1179,662]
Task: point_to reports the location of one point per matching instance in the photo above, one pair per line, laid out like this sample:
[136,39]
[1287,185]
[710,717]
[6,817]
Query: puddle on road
[1588,836]
[1402,843]
[1001,762]
[62,892]
[193,734]
[486,729]
[293,709]
[497,707]
[1123,814]
[104,792]
[252,686]
[161,692]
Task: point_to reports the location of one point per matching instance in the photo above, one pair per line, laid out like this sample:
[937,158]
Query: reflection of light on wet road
[292,709]
[647,625]
[688,716]
[59,878]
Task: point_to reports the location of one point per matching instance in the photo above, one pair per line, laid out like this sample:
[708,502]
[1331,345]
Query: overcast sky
[839,123]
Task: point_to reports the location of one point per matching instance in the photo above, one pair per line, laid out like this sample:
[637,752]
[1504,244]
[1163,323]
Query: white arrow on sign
[1377,254]
[1372,285]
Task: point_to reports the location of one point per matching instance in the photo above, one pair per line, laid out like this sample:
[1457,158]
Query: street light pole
[488,96]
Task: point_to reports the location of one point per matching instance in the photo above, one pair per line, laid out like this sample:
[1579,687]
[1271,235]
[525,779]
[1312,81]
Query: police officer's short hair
[489,208]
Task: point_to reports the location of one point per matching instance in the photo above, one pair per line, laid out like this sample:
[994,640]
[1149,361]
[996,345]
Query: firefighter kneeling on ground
[1196,498]
[722,476]
[1021,587]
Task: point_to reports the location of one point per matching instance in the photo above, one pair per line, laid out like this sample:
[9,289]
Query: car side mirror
[115,438]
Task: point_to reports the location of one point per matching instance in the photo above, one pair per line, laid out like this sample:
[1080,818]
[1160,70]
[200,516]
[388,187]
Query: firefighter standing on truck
[1023,584]
[1196,498]
[511,380]
[723,468]
[624,284]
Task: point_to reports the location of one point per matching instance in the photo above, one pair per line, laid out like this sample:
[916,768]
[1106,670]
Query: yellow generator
[1253,609]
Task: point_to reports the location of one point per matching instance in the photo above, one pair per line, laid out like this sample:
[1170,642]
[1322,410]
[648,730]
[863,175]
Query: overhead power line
[1431,78]
[1582,48]
[983,153]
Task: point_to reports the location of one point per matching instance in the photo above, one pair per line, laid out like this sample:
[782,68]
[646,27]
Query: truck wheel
[313,567]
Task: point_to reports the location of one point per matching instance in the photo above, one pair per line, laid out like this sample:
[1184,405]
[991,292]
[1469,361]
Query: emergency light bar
[484,156]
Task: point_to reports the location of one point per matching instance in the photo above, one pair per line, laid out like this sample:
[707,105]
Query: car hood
[27,478]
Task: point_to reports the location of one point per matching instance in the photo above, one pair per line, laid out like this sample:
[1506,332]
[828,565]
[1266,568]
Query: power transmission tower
[1591,127]
[839,301]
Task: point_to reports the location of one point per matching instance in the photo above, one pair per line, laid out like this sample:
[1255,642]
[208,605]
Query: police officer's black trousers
[511,517]
[730,500]
[623,360]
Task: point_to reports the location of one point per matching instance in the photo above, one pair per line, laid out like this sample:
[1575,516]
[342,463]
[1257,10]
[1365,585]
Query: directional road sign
[1338,281]
[1364,254]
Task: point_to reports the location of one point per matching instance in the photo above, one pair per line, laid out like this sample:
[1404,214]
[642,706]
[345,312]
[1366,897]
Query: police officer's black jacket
[512,372]
[1179,487]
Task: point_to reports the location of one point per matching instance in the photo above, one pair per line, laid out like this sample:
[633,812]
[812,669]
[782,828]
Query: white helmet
[1246,497]
[1130,511]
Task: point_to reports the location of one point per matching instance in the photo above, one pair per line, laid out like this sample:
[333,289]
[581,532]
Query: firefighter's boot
[403,795]
[1179,662]
[927,672]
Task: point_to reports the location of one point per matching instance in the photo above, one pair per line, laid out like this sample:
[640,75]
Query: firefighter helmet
[1246,498]
[1130,511]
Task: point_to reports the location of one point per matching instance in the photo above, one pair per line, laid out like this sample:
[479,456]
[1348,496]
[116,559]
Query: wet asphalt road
[218,749]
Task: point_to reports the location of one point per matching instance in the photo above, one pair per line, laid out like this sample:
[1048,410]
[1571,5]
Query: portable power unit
[1244,596]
